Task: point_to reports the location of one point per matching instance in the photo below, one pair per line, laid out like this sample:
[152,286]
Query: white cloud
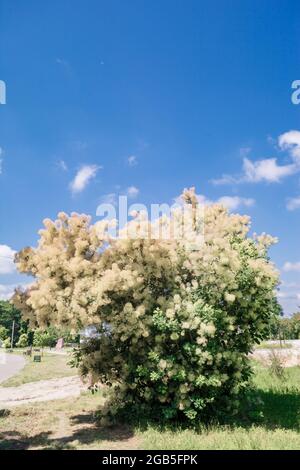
[7,290]
[291,285]
[7,255]
[63,62]
[132,192]
[286,295]
[291,141]
[110,198]
[230,202]
[132,160]
[293,203]
[234,202]
[244,151]
[204,200]
[62,165]
[83,177]
[288,266]
[226,179]
[268,170]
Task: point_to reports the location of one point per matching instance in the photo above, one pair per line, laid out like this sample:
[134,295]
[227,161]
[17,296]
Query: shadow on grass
[13,440]
[281,410]
[93,433]
[273,409]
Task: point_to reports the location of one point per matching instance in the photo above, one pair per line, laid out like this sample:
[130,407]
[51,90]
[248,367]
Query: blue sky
[152,95]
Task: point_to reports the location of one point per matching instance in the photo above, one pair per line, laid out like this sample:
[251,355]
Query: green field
[51,366]
[282,345]
[72,424]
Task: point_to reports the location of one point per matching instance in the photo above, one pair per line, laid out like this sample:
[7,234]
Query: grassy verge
[52,366]
[61,424]
[274,346]
[72,424]
[279,427]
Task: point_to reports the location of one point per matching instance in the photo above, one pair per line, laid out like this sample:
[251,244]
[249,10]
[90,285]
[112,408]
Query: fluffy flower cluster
[176,317]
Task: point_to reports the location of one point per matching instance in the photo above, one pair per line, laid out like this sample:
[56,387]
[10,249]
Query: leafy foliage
[48,337]
[176,317]
[4,333]
[285,328]
[7,343]
[22,341]
[8,314]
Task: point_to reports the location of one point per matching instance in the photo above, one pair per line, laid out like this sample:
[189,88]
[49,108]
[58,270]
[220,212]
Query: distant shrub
[4,333]
[48,337]
[285,328]
[276,365]
[23,341]
[45,338]
[6,343]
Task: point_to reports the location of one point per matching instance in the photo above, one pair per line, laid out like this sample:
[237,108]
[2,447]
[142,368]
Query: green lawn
[282,345]
[72,424]
[52,366]
[279,427]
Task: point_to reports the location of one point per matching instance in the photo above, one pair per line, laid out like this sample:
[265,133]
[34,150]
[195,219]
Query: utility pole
[12,335]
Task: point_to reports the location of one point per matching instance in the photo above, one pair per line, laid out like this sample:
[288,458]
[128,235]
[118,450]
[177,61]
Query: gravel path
[65,387]
[10,365]
[43,390]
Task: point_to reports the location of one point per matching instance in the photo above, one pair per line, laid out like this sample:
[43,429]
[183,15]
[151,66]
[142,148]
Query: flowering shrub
[176,318]
[22,341]
[6,343]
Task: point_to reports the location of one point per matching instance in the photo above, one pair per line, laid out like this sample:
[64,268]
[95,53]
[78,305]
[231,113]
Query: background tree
[285,328]
[295,326]
[48,337]
[22,341]
[4,333]
[8,314]
[7,343]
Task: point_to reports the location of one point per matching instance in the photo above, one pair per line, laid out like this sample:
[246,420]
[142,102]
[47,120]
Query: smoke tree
[176,316]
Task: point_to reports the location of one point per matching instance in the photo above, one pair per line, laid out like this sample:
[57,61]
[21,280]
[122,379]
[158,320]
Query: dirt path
[43,390]
[10,364]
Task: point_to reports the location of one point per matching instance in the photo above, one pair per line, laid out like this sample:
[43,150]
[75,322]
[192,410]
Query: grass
[278,429]
[72,424]
[254,438]
[62,424]
[281,345]
[52,366]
